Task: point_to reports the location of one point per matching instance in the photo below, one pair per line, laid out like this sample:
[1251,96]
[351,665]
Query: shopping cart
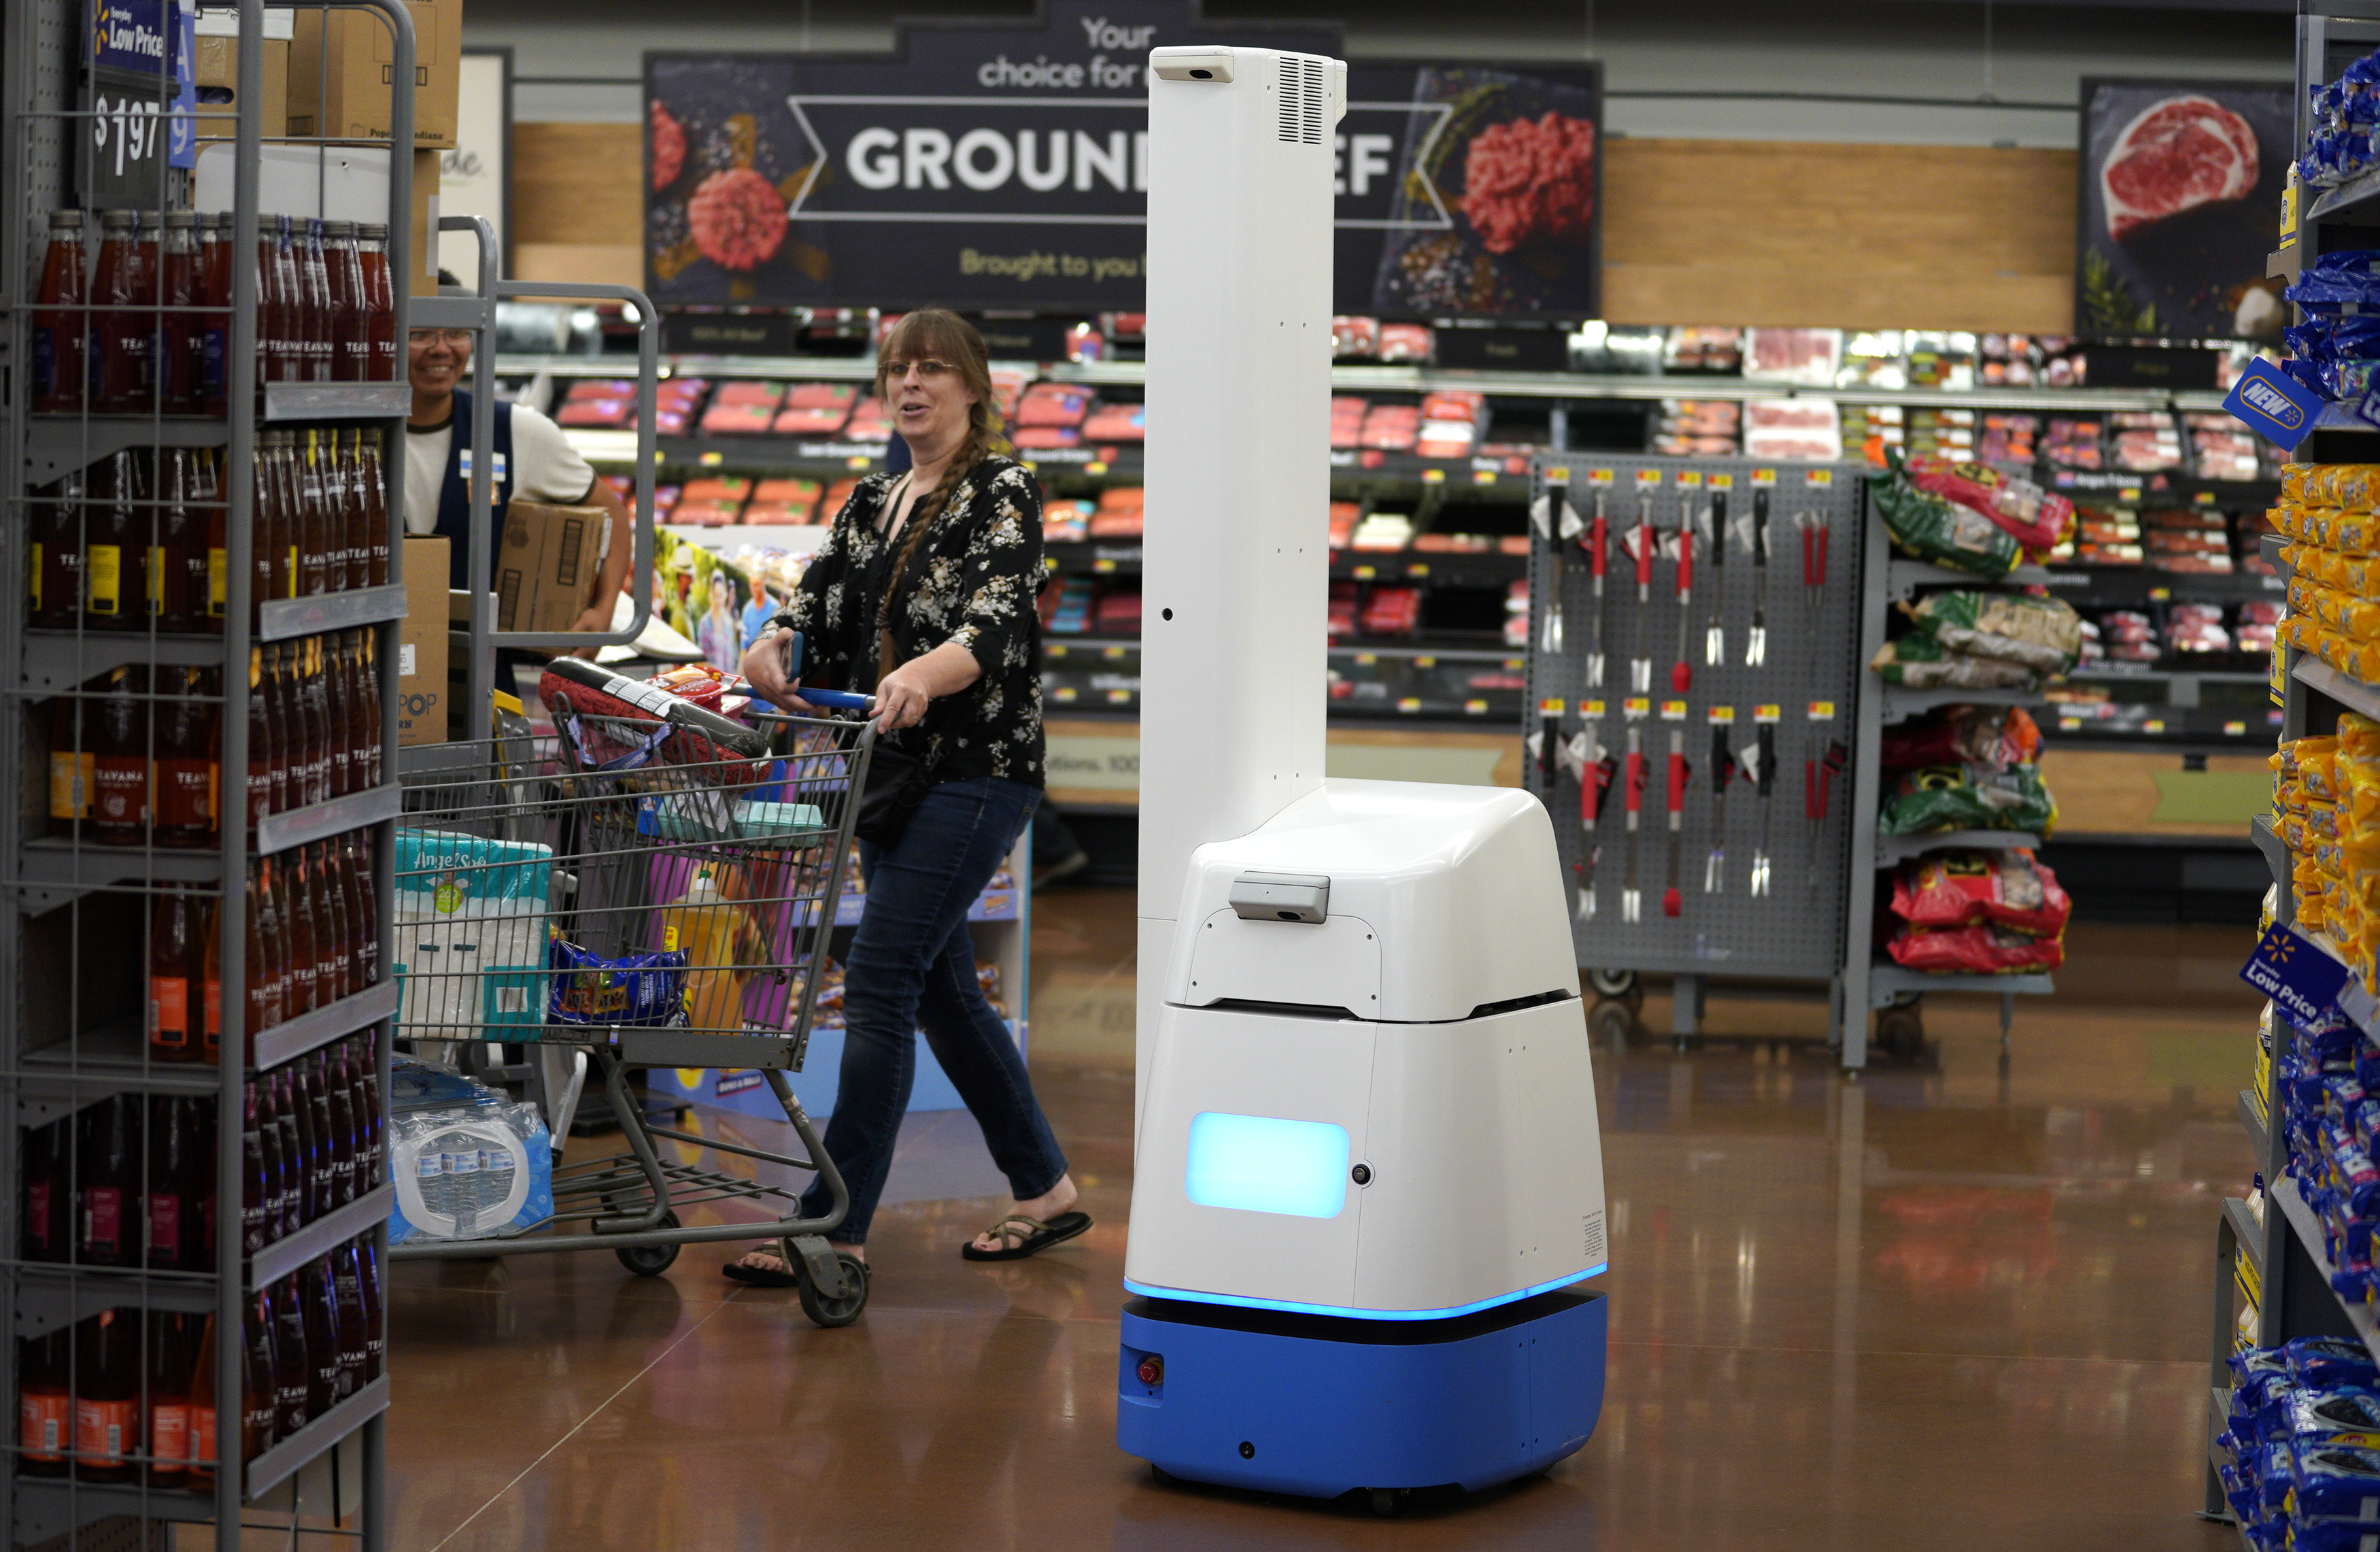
[628,888]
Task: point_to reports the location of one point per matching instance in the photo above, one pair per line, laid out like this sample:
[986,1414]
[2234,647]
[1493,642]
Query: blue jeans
[911,968]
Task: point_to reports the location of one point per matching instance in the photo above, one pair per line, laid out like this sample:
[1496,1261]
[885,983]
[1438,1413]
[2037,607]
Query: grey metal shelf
[56,445]
[292,1039]
[2357,191]
[1900,704]
[113,1058]
[2308,1228]
[337,401]
[1903,577]
[2353,694]
[52,661]
[1892,850]
[285,619]
[319,1238]
[299,827]
[1887,979]
[52,869]
[2268,548]
[2257,1134]
[2276,857]
[285,1459]
[2250,1232]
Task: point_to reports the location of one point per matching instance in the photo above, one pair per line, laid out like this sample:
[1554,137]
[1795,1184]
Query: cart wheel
[650,1260]
[1901,1032]
[1387,1502]
[1905,999]
[831,1313]
[1611,983]
[1612,1023]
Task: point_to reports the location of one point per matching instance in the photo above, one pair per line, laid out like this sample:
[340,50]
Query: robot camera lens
[1209,75]
[1361,1174]
[1286,915]
[1247,1450]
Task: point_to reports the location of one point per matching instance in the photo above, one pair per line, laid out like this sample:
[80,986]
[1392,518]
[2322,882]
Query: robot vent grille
[1301,102]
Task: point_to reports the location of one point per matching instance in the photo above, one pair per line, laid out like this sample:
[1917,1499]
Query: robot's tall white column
[1235,569]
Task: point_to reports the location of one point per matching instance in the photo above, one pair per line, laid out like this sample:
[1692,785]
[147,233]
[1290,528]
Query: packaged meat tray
[1118,515]
[868,423]
[1383,531]
[1703,349]
[814,420]
[1118,613]
[1391,428]
[2075,443]
[1007,386]
[737,418]
[822,395]
[1809,356]
[1123,422]
[1355,338]
[1392,611]
[1407,341]
[838,496]
[1800,429]
[1344,516]
[745,390]
[1343,610]
[782,501]
[1347,420]
[1053,404]
[1940,359]
[1873,359]
[1065,521]
[1031,437]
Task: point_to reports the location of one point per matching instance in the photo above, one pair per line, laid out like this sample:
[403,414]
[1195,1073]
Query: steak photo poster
[2181,201]
[1002,164]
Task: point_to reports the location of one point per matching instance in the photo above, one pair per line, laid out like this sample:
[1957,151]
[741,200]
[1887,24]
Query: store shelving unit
[1871,980]
[75,960]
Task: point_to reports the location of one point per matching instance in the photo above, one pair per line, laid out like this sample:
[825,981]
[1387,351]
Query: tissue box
[470,935]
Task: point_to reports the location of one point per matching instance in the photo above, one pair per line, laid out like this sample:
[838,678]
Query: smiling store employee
[532,460]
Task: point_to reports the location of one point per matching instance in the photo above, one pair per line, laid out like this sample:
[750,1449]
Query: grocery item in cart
[1943,532]
[642,990]
[1920,663]
[2035,517]
[480,1169]
[470,939]
[2040,634]
[1968,797]
[2008,888]
[608,722]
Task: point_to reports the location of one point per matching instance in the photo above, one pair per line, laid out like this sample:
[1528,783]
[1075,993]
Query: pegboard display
[1752,647]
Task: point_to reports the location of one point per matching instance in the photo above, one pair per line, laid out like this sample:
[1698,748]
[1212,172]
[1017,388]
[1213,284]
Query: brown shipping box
[340,71]
[217,63]
[421,645]
[547,567]
[425,224]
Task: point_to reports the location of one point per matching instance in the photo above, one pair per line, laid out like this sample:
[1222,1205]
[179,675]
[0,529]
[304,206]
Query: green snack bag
[1941,531]
[1920,663]
[2043,633]
[1968,797]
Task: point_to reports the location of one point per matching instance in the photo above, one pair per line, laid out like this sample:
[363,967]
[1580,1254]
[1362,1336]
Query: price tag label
[1722,715]
[1063,693]
[1433,477]
[1029,465]
[1690,480]
[2160,595]
[1103,568]
[1483,477]
[1648,478]
[1050,563]
[1590,707]
[1410,703]
[1113,654]
[1364,573]
[1673,710]
[2153,725]
[1552,706]
[1821,711]
[1819,479]
[1055,650]
[1763,477]
[2130,493]
[1418,568]
[1095,468]
[1722,482]
[1119,697]
[1598,477]
[1514,665]
[2069,724]
[1365,659]
[2233,730]
[711,460]
[2205,498]
[1768,714]
[1425,663]
[1474,708]
[1557,474]
[1637,706]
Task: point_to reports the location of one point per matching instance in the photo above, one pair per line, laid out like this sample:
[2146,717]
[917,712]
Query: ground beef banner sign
[1004,165]
[2181,200]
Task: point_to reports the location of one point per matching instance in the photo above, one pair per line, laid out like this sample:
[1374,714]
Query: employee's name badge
[2302,981]
[465,467]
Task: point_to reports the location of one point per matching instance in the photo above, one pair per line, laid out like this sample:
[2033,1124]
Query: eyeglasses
[438,336]
[928,368]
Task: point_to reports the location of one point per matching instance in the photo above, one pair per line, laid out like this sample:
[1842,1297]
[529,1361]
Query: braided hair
[935,331]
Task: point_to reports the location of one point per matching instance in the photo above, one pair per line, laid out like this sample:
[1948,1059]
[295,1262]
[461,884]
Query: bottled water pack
[477,1169]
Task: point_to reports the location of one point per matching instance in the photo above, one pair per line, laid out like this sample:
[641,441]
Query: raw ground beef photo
[669,146]
[737,219]
[1530,179]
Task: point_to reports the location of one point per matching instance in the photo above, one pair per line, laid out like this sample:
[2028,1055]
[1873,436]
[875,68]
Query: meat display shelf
[1355,379]
[2308,1228]
[1893,850]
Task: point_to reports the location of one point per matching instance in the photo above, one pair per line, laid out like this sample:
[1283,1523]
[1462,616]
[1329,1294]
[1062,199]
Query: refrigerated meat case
[73,1032]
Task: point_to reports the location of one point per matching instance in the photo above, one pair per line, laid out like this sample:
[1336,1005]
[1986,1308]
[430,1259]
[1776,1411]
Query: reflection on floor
[1959,1302]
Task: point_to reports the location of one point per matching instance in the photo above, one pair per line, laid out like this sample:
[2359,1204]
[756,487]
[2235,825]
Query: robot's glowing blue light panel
[1263,1164]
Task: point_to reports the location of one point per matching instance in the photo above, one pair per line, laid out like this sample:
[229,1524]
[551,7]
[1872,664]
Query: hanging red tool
[1642,543]
[1715,634]
[1596,543]
[1817,786]
[1673,901]
[1682,673]
[1722,772]
[1631,905]
[1755,646]
[1595,769]
[1813,560]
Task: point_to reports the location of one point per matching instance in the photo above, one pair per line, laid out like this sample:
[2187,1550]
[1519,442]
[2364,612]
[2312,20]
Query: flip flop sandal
[761,1277]
[1042,1236]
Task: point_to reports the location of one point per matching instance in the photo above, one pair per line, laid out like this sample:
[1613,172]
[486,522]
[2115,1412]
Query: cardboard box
[217,66]
[546,568]
[421,645]
[341,72]
[425,224]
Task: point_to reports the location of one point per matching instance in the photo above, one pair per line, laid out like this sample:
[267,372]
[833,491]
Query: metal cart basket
[630,888]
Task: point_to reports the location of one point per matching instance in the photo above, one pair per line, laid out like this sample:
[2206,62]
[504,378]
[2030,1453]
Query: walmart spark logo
[2302,981]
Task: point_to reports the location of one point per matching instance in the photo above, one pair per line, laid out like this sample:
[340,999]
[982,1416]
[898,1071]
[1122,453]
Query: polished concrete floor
[1961,1301]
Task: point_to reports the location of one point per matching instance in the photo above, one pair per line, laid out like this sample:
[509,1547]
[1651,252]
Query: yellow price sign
[1763,477]
[1821,711]
[2233,730]
[1590,707]
[1095,467]
[1113,654]
[1819,479]
[2153,725]
[1768,714]
[2160,594]
[1722,715]
[1483,477]
[1364,573]
[1064,693]
[1645,479]
[711,460]
[1433,477]
[1410,703]
[1556,475]
[1103,567]
[1673,710]
[1418,568]
[1722,482]
[1119,697]
[2069,724]
[1475,707]
[1365,659]
[1552,706]
[1598,477]
[1637,706]
[1690,480]
[1425,663]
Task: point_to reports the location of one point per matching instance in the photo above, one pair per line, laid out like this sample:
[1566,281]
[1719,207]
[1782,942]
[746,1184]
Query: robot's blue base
[1317,1405]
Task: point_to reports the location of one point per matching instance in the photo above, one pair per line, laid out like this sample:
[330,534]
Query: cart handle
[840,700]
